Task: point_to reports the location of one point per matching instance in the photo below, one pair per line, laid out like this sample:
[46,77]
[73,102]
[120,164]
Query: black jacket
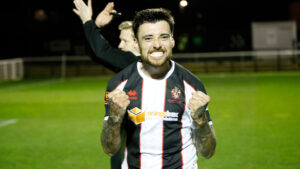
[103,53]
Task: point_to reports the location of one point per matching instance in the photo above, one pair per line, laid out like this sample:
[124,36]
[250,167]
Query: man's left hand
[84,11]
[197,105]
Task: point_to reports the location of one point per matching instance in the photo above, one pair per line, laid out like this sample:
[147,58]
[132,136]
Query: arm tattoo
[111,132]
[205,140]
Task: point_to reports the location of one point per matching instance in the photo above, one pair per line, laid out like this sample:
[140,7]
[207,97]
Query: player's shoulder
[187,76]
[184,73]
[123,74]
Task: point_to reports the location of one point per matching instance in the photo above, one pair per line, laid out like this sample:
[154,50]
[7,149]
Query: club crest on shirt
[175,94]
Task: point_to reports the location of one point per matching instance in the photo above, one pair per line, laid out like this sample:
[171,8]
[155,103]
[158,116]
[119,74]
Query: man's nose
[156,44]
[121,45]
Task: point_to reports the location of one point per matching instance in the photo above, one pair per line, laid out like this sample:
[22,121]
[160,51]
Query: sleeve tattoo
[111,132]
[205,139]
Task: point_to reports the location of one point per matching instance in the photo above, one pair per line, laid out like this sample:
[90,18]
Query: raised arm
[103,53]
[104,17]
[204,134]
[84,11]
[111,132]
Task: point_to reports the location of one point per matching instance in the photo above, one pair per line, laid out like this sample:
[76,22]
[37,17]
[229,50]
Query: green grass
[255,115]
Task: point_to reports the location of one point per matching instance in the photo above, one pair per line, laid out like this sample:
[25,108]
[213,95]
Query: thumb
[76,12]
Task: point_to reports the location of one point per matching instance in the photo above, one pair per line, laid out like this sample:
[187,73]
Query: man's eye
[148,38]
[165,37]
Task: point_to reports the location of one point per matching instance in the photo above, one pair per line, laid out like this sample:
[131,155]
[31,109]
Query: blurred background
[246,53]
[208,26]
[208,29]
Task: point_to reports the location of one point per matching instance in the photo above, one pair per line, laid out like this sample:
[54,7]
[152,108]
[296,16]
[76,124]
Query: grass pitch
[58,123]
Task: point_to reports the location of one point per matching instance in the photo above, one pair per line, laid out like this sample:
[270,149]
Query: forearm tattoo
[205,140]
[116,111]
[111,135]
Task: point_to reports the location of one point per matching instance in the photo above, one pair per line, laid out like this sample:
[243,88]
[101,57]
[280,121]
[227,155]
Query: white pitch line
[8,122]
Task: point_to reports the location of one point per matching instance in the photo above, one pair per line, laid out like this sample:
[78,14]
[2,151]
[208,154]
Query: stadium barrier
[240,61]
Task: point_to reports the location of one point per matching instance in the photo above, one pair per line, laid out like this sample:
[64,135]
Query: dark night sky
[214,20]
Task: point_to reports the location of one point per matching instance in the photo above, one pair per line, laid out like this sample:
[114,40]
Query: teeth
[156,54]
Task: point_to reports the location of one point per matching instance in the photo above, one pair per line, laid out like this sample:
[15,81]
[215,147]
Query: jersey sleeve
[103,53]
[116,82]
[195,84]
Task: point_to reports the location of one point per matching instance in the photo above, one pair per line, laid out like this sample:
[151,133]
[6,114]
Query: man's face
[156,42]
[127,42]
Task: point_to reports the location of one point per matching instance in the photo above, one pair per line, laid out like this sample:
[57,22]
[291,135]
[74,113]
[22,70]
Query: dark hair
[152,16]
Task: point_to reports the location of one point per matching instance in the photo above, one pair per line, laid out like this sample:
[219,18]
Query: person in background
[114,59]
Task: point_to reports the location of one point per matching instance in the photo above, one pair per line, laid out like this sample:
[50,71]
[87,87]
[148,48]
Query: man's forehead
[154,28]
[126,33]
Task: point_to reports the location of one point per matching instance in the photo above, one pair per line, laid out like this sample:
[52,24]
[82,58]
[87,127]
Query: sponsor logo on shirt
[166,116]
[137,116]
[132,94]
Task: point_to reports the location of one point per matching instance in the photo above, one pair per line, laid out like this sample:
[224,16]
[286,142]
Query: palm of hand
[103,19]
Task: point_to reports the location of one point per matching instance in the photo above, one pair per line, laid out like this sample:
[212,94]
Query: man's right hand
[84,11]
[104,17]
[118,103]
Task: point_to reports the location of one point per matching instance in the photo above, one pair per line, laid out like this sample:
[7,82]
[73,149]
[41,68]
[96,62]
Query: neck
[155,72]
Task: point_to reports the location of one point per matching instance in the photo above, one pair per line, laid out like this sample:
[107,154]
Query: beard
[157,62]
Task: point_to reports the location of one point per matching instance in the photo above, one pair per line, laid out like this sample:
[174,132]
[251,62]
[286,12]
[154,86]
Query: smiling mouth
[157,54]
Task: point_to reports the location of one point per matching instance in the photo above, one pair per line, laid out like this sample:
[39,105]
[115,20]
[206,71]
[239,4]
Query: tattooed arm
[205,139]
[204,134]
[111,132]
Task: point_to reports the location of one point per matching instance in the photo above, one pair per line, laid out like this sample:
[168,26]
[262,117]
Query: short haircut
[152,16]
[125,25]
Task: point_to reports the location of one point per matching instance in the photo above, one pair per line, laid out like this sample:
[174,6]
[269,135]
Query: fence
[241,61]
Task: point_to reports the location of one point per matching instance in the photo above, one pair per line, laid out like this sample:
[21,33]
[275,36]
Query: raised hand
[118,102]
[110,137]
[104,17]
[197,105]
[84,11]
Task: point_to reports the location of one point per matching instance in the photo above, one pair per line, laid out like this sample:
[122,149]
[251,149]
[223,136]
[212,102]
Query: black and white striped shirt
[158,122]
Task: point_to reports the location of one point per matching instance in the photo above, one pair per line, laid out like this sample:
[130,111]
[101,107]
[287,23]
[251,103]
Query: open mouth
[157,54]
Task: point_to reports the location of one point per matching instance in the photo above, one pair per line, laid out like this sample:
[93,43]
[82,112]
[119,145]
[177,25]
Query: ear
[136,44]
[172,41]
[135,41]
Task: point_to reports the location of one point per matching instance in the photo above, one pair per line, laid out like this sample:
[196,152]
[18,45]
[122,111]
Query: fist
[118,102]
[197,105]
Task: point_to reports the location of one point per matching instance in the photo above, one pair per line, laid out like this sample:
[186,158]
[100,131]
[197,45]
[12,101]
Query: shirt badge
[175,94]
[132,94]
